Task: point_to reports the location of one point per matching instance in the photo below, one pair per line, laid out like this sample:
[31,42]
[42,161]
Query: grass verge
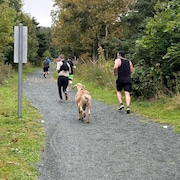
[21,139]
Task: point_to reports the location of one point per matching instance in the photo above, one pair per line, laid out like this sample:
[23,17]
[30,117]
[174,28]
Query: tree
[82,26]
[6,27]
[44,38]
[134,23]
[39,38]
[159,47]
[162,35]
[32,37]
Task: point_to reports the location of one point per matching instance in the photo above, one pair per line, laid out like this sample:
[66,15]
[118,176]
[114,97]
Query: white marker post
[20,56]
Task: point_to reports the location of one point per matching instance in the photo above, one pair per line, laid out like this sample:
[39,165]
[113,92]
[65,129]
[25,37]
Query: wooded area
[147,30]
[39,38]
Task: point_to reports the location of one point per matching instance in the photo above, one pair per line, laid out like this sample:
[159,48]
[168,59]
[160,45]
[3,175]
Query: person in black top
[123,69]
[71,75]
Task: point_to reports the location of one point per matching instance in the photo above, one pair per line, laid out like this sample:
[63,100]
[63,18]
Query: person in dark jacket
[123,69]
[46,67]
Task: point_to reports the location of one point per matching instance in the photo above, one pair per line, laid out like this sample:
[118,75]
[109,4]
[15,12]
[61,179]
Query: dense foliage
[7,15]
[158,51]
[11,14]
[148,30]
[81,27]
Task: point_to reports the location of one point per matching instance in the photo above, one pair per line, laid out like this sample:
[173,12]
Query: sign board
[20,57]
[20,44]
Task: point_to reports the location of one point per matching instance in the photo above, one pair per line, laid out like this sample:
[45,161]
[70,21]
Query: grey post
[20,57]
[20,54]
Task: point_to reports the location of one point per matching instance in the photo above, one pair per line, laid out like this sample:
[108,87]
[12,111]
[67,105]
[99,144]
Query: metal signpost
[20,57]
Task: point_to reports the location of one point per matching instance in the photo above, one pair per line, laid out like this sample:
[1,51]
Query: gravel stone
[114,146]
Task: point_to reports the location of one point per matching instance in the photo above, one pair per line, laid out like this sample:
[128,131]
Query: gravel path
[114,146]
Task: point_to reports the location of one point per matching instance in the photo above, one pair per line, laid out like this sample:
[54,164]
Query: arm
[69,68]
[58,66]
[131,67]
[117,63]
[74,67]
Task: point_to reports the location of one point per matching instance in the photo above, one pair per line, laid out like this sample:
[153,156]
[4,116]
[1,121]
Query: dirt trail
[114,146]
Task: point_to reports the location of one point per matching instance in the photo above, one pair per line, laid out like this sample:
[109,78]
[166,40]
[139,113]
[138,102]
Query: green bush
[150,82]
[145,84]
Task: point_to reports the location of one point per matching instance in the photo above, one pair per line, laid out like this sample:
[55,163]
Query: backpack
[71,65]
[64,66]
[46,63]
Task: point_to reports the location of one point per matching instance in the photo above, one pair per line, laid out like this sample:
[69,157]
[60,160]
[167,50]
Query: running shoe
[121,107]
[128,110]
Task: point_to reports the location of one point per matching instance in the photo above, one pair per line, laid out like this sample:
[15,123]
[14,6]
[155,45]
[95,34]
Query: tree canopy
[158,48]
[83,26]
[148,30]
[7,22]
[39,38]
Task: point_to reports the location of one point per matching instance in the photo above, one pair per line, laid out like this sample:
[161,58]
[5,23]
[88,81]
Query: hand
[115,72]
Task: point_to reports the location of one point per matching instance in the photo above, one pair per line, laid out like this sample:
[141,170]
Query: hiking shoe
[121,107]
[66,96]
[128,110]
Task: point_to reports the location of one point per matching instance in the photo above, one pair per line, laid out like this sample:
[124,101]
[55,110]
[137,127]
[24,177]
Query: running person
[71,75]
[123,69]
[46,67]
[63,79]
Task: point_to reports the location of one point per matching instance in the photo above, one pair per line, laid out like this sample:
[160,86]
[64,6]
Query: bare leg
[119,96]
[128,98]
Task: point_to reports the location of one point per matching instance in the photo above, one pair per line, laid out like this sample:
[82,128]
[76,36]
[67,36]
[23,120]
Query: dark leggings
[62,84]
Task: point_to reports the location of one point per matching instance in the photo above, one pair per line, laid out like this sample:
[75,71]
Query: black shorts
[63,82]
[123,86]
[46,69]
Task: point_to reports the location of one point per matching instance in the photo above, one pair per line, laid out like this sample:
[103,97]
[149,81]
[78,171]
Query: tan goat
[83,101]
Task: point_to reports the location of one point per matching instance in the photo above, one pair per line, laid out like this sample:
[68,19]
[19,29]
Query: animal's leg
[81,114]
[89,114]
[84,111]
[88,119]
